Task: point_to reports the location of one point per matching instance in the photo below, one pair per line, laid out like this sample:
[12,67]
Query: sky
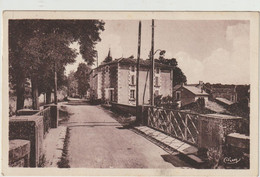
[215,51]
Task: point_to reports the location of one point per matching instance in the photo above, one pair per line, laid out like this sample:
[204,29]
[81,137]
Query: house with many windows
[115,81]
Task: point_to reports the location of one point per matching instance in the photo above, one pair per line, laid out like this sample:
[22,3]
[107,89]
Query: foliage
[169,62]
[48,54]
[166,102]
[72,84]
[82,76]
[35,45]
[215,157]
[178,76]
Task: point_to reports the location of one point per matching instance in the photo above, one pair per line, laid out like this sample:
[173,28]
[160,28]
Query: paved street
[98,141]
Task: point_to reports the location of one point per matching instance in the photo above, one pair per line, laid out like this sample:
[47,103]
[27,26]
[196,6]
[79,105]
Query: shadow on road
[176,160]
[92,126]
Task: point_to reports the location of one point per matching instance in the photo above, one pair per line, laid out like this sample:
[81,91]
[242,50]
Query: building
[227,92]
[186,94]
[115,81]
[232,93]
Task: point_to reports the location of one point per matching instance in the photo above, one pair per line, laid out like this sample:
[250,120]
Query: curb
[193,159]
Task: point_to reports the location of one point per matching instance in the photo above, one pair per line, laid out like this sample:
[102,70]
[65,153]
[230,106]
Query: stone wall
[213,129]
[29,128]
[19,153]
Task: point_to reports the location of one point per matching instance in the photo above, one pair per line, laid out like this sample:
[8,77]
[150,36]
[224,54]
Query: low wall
[213,129]
[29,128]
[124,108]
[54,115]
[26,112]
[19,153]
[238,147]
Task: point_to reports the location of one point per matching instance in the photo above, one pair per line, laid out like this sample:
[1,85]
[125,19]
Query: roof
[215,107]
[195,90]
[225,101]
[176,87]
[131,61]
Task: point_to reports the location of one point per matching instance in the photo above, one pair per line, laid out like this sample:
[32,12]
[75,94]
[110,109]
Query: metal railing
[179,124]
[46,113]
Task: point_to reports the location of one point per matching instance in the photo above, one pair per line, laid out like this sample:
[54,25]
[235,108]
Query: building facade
[116,81]
[186,94]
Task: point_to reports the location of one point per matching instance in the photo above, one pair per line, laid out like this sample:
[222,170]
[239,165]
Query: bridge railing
[179,124]
[200,130]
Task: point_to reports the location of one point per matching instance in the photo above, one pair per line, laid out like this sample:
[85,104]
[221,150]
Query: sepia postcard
[130,93]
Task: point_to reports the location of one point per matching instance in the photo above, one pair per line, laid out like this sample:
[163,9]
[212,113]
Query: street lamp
[162,52]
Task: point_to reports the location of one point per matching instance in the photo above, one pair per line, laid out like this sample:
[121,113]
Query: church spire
[109,57]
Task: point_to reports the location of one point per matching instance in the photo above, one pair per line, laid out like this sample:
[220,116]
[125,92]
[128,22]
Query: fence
[179,124]
[46,113]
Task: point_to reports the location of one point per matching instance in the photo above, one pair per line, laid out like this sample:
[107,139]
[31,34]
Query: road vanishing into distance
[97,140]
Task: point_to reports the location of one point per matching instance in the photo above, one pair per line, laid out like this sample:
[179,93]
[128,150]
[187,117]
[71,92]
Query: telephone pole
[138,66]
[55,83]
[97,59]
[152,67]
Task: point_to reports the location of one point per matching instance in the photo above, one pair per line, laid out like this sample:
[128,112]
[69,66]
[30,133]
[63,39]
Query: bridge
[98,137]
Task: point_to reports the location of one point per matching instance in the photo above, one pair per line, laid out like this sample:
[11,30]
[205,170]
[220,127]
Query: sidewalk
[53,146]
[174,144]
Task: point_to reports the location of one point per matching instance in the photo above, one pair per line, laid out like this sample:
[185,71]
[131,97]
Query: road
[98,141]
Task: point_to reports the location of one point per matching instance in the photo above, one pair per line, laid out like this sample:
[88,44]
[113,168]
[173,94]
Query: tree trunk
[48,97]
[35,95]
[20,95]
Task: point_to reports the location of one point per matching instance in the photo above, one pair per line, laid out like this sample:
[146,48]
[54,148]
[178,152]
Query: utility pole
[97,59]
[55,83]
[152,68]
[138,66]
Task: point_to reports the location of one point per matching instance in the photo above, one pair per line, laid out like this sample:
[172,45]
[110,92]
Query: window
[107,69]
[132,80]
[156,81]
[132,94]
[157,70]
[133,68]
[178,95]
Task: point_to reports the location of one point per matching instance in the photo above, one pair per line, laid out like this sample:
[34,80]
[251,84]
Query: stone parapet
[19,153]
[26,112]
[213,129]
[29,128]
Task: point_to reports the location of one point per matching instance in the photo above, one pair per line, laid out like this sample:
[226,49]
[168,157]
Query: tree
[82,76]
[35,45]
[43,52]
[108,57]
[72,84]
[178,76]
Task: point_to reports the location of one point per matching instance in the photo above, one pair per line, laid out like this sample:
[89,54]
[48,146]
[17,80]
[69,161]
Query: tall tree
[82,76]
[35,45]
